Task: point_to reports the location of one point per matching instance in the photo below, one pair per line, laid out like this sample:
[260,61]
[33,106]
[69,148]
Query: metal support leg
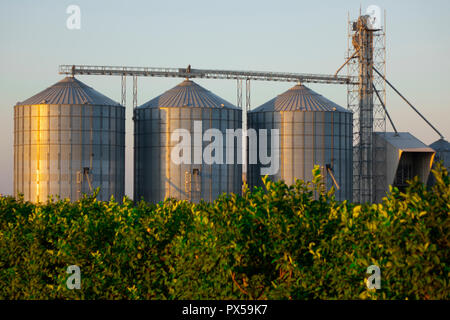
[239,93]
[247,97]
[124,90]
[244,132]
[134,92]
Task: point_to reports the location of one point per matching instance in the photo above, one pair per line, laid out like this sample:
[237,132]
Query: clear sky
[291,36]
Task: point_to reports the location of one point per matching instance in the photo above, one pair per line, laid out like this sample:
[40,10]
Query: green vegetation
[277,242]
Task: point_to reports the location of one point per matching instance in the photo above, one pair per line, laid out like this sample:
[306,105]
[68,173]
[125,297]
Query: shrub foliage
[276,242]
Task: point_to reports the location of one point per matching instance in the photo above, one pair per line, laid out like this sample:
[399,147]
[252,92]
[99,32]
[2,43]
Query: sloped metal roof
[404,141]
[188,94]
[300,98]
[440,145]
[69,91]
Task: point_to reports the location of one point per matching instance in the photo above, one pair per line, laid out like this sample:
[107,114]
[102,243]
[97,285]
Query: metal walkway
[202,73]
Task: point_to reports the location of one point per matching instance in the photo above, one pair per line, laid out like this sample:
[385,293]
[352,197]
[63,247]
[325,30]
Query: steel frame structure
[199,73]
[366,49]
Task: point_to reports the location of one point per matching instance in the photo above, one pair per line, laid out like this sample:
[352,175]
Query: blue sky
[291,36]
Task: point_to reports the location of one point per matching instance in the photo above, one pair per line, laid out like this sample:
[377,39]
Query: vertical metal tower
[366,49]
[379,124]
[245,110]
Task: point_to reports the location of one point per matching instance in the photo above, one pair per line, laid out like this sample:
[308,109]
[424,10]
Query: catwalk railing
[203,73]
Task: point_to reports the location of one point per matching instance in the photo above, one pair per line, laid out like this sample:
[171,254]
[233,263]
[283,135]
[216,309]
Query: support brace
[134,92]
[417,111]
[124,91]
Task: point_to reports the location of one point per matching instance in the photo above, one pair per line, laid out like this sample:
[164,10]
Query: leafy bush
[276,242]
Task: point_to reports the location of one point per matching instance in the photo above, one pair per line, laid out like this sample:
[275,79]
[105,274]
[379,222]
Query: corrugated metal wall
[53,143]
[157,177]
[307,138]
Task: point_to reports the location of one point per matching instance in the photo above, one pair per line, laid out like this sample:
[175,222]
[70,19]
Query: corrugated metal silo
[69,139]
[442,148]
[313,130]
[186,106]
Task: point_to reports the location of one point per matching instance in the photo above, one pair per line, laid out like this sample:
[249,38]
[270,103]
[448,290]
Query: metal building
[189,107]
[313,130]
[406,157]
[68,140]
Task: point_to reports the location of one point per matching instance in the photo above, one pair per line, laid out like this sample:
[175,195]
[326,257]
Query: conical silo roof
[300,98]
[188,94]
[69,91]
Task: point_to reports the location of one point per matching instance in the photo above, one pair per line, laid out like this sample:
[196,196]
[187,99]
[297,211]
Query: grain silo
[442,148]
[68,140]
[194,110]
[313,130]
